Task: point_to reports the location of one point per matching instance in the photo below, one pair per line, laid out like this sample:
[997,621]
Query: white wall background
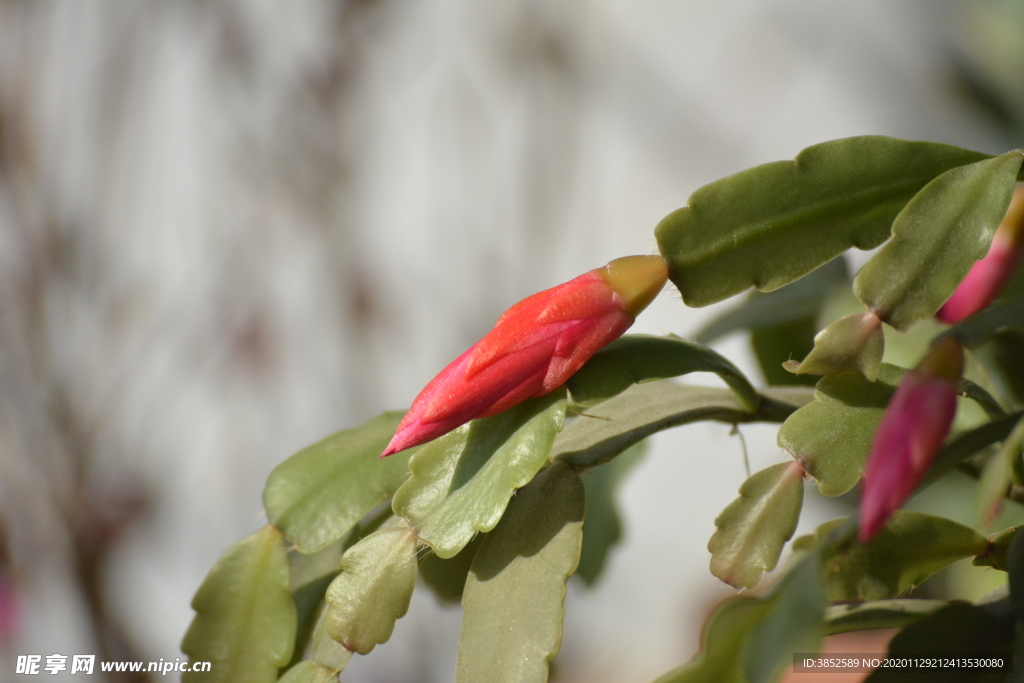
[229,229]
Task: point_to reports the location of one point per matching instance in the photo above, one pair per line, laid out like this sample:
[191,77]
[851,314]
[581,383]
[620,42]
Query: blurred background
[228,229]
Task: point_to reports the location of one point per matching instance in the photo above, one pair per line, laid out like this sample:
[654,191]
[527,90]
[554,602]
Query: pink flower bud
[988,276]
[912,431]
[534,348]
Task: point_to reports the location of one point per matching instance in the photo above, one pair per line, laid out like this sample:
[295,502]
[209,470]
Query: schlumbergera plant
[499,482]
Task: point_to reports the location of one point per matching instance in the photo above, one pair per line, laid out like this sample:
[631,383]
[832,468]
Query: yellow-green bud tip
[636,279]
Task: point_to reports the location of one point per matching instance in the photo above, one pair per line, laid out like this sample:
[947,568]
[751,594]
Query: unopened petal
[988,276]
[916,423]
[985,280]
[535,346]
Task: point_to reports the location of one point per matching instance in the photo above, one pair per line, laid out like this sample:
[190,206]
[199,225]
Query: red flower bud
[534,348]
[912,430]
[988,276]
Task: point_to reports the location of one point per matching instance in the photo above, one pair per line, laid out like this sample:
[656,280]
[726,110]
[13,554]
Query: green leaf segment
[461,483]
[770,225]
[512,626]
[936,239]
[245,618]
[753,529]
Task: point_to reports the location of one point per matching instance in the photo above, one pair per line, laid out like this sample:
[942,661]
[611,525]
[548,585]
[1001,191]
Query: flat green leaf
[447,578]
[911,547]
[769,225]
[462,482]
[831,435]
[793,625]
[309,672]
[956,629]
[998,474]
[981,325]
[308,598]
[311,575]
[304,568]
[750,639]
[993,485]
[639,358]
[512,623]
[752,530]
[245,618]
[373,590]
[796,301]
[965,388]
[644,409]
[866,616]
[968,389]
[601,527]
[969,443]
[316,496]
[325,650]
[855,343]
[936,239]
[1003,357]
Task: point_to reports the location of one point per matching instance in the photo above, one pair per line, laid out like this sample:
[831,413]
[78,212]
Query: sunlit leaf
[752,530]
[462,482]
[312,574]
[644,409]
[512,623]
[855,343]
[911,547]
[601,527]
[769,225]
[936,239]
[639,358]
[316,496]
[373,590]
[323,649]
[831,435]
[957,629]
[245,618]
